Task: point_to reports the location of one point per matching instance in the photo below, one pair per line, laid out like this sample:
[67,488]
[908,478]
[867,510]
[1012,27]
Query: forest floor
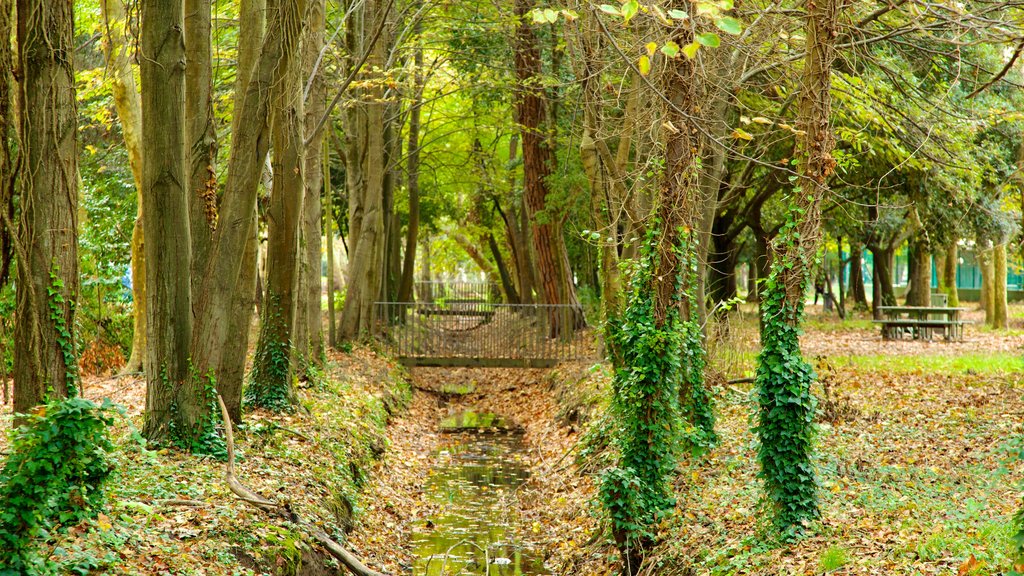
[917,454]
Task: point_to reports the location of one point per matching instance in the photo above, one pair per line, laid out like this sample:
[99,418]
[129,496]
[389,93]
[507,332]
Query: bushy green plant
[785,419]
[53,478]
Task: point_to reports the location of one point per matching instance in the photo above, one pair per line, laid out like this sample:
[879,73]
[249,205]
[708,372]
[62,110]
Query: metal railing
[482,334]
[444,291]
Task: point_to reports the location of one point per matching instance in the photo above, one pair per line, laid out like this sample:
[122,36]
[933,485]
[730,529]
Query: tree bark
[128,104]
[538,162]
[309,335]
[983,254]
[332,336]
[45,358]
[856,291]
[883,293]
[200,134]
[1000,320]
[365,175]
[172,400]
[8,144]
[274,363]
[412,166]
[952,259]
[920,292]
[216,304]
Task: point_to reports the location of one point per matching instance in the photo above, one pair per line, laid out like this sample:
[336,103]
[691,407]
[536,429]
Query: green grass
[970,362]
[833,558]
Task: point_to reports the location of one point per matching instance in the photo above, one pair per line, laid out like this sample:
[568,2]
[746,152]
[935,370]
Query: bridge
[465,326]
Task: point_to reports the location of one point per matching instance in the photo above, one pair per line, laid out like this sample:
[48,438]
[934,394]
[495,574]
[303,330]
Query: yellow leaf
[742,134]
[690,50]
[651,47]
[644,65]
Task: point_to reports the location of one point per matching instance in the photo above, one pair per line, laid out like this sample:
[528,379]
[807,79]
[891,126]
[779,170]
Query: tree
[786,406]
[538,162]
[128,102]
[271,384]
[172,406]
[45,357]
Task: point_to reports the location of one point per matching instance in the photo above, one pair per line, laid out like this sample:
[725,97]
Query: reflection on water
[476,471]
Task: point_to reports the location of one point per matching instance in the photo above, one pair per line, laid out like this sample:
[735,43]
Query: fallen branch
[749,380]
[246,494]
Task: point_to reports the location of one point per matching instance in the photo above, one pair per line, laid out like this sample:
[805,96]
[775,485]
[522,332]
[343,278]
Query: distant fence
[465,333]
[438,291]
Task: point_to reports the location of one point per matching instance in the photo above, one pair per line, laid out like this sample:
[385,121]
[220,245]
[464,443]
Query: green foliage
[646,403]
[53,479]
[270,383]
[65,337]
[834,558]
[785,420]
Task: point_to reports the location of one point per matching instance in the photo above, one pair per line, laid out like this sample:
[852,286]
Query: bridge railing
[463,333]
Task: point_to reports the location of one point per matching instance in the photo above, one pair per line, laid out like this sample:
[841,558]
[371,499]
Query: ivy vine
[53,478]
[785,419]
[270,383]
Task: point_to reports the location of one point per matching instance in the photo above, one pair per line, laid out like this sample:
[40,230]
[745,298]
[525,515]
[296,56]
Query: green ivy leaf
[678,14]
[670,49]
[629,10]
[609,9]
[709,39]
[729,25]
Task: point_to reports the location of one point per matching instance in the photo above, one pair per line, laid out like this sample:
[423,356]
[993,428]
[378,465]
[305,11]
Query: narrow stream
[477,468]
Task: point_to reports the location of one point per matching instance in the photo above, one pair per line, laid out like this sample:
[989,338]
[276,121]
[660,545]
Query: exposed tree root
[246,494]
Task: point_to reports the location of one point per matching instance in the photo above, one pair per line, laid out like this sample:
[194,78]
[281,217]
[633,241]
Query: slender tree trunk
[952,260]
[1000,320]
[412,165]
[329,236]
[883,293]
[983,255]
[8,144]
[366,155]
[45,358]
[272,384]
[173,403]
[309,340]
[538,162]
[128,104]
[200,133]
[231,372]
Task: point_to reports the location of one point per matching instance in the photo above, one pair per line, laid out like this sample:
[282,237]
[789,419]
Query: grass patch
[967,363]
[833,558]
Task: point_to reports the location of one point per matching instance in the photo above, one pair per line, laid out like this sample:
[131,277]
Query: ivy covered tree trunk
[218,327]
[173,410]
[783,380]
[538,162]
[662,358]
[271,384]
[128,103]
[45,359]
[8,144]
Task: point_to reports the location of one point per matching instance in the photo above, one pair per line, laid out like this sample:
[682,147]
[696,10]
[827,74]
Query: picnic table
[921,322]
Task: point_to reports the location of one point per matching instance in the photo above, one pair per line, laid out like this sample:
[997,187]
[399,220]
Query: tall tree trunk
[231,372]
[920,292]
[216,305]
[883,293]
[511,296]
[128,103]
[952,260]
[271,385]
[200,133]
[8,145]
[175,403]
[365,176]
[412,165]
[1000,320]
[309,335]
[45,358]
[786,406]
[538,162]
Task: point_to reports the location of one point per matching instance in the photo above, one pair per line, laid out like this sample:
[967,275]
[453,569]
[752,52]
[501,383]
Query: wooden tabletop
[919,309]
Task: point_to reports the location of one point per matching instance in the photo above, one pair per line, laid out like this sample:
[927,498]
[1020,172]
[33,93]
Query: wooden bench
[896,328]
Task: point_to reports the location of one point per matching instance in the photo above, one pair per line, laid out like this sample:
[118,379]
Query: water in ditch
[477,467]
